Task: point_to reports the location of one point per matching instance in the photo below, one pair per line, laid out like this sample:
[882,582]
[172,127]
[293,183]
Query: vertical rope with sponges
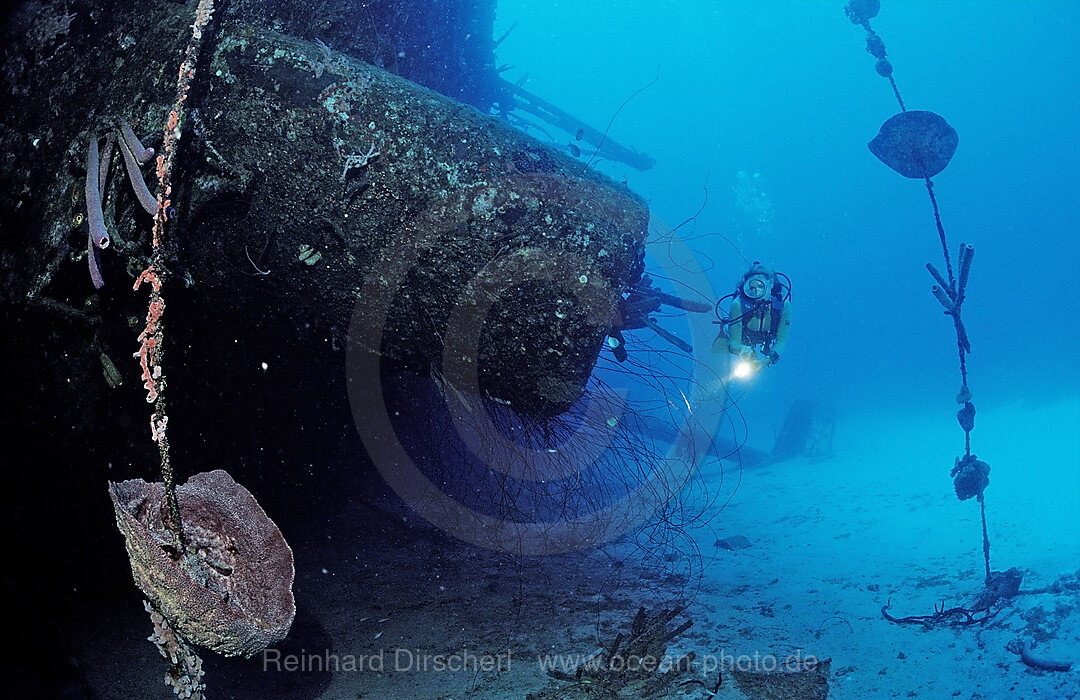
[970,476]
[151,338]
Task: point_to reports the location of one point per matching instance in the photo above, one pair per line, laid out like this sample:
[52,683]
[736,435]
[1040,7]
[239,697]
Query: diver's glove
[774,357]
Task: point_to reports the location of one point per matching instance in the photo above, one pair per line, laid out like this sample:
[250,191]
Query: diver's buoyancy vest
[775,307]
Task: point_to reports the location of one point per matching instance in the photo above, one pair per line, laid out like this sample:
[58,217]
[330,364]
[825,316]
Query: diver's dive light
[744,369]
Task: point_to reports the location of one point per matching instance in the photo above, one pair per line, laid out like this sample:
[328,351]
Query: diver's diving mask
[756,287]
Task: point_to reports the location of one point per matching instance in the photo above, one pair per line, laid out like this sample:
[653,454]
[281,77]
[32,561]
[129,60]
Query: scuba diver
[757,324]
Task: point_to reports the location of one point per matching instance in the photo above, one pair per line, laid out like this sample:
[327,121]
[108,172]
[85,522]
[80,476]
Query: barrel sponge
[233,594]
[970,476]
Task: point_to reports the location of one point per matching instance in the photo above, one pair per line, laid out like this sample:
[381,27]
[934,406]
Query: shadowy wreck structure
[318,185]
[306,172]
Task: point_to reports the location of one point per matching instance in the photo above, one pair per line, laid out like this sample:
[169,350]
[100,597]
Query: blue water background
[786,91]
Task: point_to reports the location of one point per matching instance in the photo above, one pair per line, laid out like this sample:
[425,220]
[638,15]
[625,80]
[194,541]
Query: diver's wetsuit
[755,328]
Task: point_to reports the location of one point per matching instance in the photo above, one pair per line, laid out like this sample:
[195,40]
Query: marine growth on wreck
[505,349]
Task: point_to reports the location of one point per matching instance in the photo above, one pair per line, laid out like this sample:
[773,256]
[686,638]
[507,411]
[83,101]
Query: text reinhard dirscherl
[400,660]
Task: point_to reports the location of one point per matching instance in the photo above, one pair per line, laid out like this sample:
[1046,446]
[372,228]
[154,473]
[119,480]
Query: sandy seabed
[399,608]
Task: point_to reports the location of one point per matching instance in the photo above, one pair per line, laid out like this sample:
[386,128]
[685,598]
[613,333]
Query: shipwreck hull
[305,178]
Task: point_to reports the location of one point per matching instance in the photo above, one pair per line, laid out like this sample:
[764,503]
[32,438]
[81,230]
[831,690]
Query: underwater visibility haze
[537,349]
